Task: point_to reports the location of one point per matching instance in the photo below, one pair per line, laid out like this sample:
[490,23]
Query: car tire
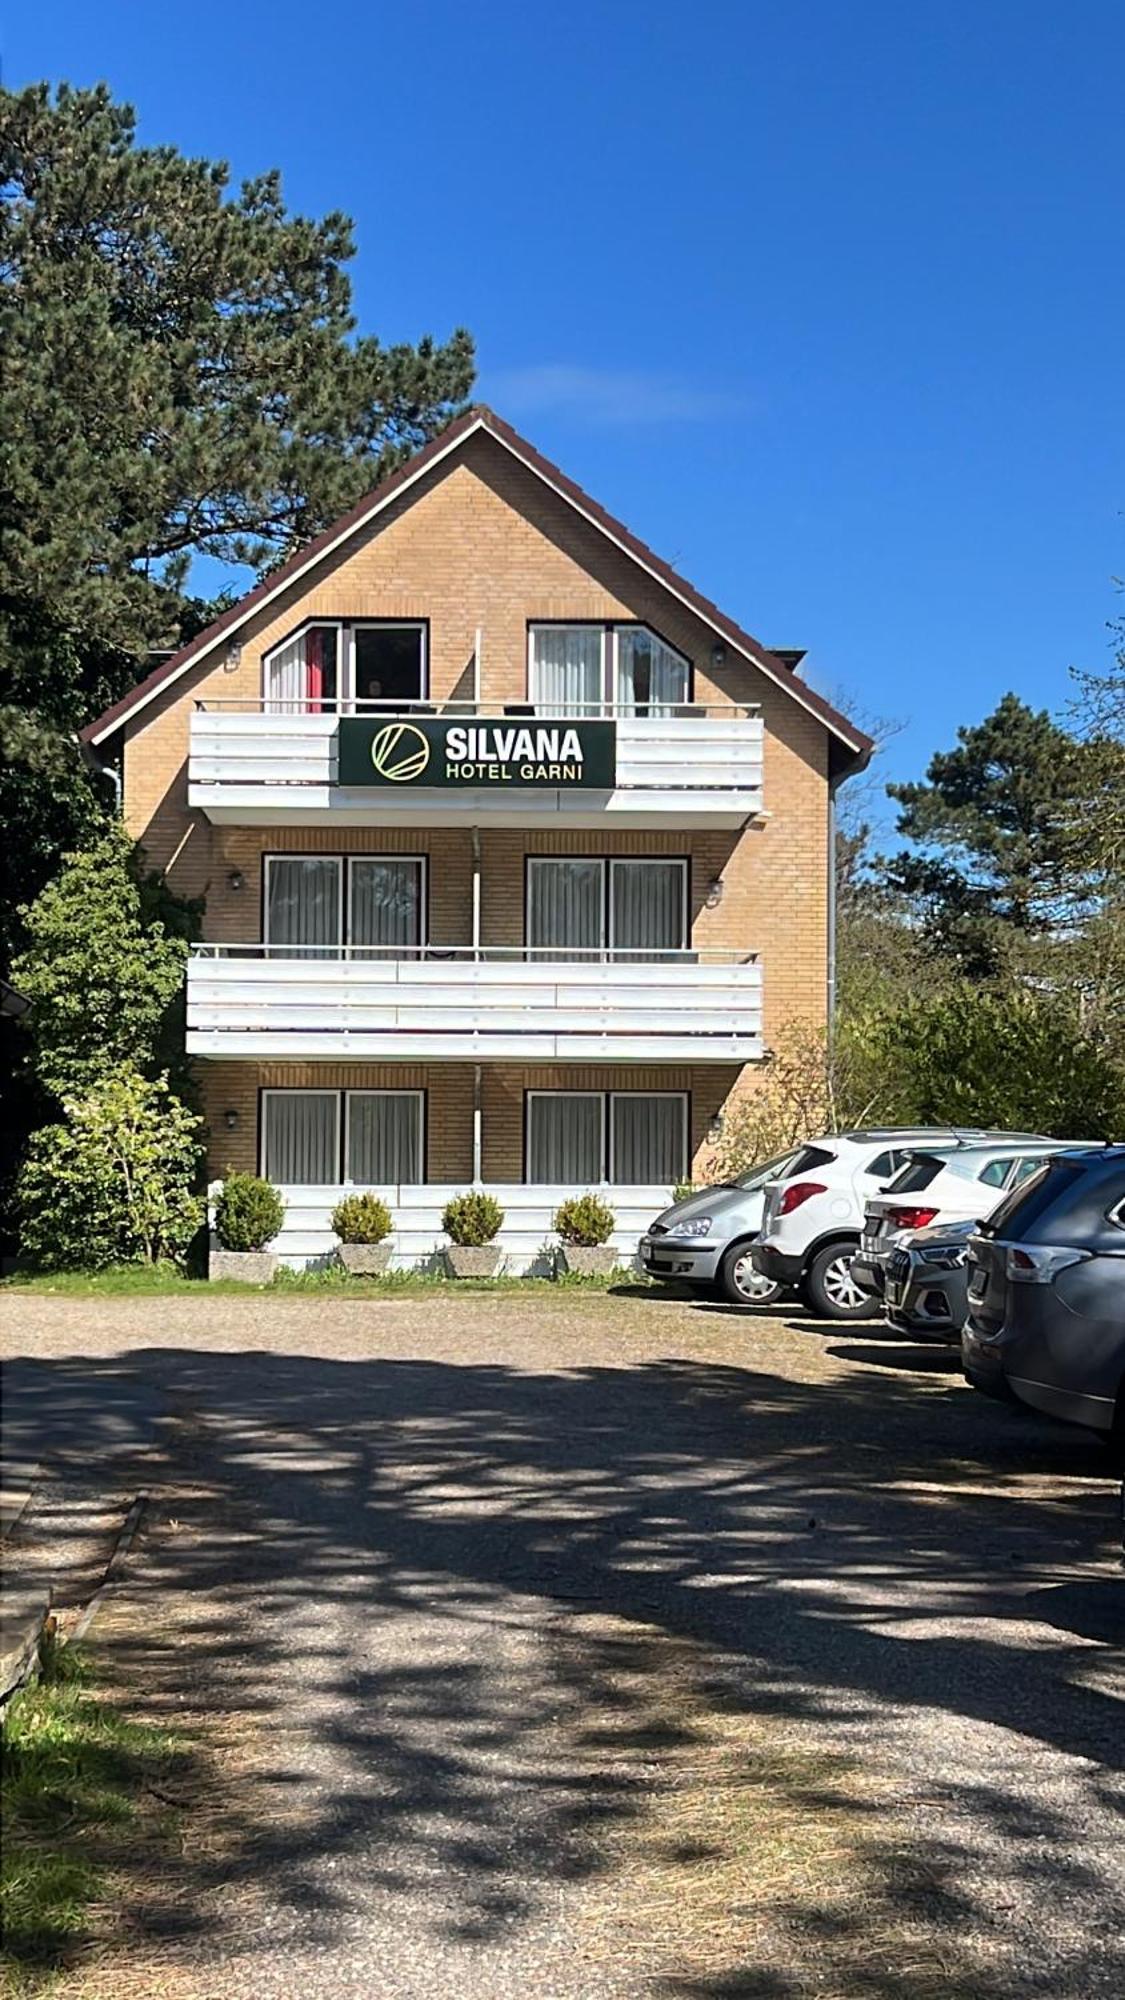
[829,1290]
[741,1284]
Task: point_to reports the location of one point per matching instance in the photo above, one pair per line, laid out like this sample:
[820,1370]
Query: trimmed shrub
[473,1219]
[682,1190]
[249,1212]
[362,1218]
[585,1220]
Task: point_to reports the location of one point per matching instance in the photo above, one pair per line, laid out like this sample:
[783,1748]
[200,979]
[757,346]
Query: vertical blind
[303,903]
[386,902]
[566,668]
[647,1139]
[647,906]
[301,1137]
[564,1140]
[301,675]
[565,906]
[652,679]
[385,1137]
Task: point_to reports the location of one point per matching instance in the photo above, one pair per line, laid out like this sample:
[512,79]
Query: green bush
[249,1212]
[682,1190]
[113,1185]
[362,1218]
[472,1220]
[585,1220]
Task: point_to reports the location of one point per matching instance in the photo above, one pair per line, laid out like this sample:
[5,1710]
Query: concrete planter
[590,1260]
[473,1260]
[246,1267]
[364,1260]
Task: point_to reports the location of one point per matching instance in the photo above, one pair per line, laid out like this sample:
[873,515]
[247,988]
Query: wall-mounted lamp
[236,880]
[718,653]
[714,895]
[715,1128]
[233,659]
[230,1120]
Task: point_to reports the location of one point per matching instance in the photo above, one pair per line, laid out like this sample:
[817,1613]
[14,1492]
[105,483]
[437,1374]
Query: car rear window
[1022,1206]
[916,1175]
[808,1159]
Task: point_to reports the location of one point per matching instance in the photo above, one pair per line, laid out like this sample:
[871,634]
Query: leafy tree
[987,873]
[104,969]
[182,376]
[809,1084]
[114,1183]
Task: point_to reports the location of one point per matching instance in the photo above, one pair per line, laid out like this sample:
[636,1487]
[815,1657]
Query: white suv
[959,1186]
[811,1226]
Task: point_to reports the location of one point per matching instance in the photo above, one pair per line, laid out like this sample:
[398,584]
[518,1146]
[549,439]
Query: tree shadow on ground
[475,1628]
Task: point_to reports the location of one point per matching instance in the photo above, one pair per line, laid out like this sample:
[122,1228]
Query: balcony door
[579,907]
[315,904]
[302,676]
[579,669]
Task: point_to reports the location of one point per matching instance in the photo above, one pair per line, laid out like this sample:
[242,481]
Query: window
[995,1173]
[576,1139]
[388,662]
[633,907]
[300,1137]
[306,913]
[302,675]
[577,669]
[335,665]
[882,1167]
[384,1137]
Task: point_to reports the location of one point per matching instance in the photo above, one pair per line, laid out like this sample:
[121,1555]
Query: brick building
[515,852]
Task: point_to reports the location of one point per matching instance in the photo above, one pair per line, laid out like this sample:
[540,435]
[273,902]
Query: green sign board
[415,752]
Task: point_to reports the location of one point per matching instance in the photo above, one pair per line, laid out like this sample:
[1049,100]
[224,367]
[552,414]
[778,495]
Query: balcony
[475,1004]
[693,766]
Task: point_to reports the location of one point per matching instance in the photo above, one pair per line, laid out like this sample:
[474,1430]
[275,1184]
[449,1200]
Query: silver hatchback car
[705,1240]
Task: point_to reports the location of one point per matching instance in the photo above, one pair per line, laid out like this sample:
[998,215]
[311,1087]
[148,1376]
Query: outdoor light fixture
[233,659]
[230,1120]
[236,880]
[718,653]
[714,894]
[715,1128]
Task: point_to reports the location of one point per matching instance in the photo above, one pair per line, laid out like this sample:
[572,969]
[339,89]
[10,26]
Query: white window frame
[336,625]
[419,861]
[300,1091]
[419,1097]
[345,630]
[283,855]
[530,1097]
[685,1132]
[609,675]
[607,863]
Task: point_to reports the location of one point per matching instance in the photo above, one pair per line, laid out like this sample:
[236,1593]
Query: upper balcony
[316,762]
[486,1003]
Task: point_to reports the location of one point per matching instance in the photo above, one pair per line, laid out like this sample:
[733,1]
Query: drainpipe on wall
[832,787]
[478,1126]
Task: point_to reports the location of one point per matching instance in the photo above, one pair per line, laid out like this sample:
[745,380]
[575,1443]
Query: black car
[1046,1292]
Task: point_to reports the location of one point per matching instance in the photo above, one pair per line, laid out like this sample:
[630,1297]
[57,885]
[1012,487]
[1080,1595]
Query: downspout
[833,784]
[478,1122]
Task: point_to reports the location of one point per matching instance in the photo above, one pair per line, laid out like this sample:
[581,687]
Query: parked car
[958,1184]
[927,1282]
[1046,1292]
[705,1240]
[811,1225]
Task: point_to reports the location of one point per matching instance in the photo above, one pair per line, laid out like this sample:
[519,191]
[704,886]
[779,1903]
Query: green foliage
[1007,1058]
[104,969]
[584,1220]
[249,1212]
[682,1190]
[114,1183]
[472,1220]
[362,1218]
[808,1085]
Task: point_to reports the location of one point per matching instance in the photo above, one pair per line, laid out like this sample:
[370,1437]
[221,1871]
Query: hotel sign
[423,752]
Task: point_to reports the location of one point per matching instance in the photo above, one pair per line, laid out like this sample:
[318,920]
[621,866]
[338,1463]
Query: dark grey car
[926,1282]
[1046,1292]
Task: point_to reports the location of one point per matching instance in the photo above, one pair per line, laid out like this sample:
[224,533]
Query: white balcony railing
[247,764]
[492,1003]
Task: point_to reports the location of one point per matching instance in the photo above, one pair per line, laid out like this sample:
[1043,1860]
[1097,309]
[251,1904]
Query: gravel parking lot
[589,1646]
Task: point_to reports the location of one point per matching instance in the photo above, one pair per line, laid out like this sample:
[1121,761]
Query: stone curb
[23,1620]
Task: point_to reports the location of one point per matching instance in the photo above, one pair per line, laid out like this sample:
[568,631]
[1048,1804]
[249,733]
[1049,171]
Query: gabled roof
[855,746]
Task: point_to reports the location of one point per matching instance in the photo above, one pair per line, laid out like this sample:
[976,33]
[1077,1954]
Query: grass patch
[74,1778]
[164,1280]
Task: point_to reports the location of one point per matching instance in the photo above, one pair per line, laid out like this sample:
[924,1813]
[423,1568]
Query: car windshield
[798,1160]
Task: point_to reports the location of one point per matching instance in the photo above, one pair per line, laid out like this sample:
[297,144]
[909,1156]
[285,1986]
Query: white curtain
[385,1138]
[566,669]
[303,904]
[301,1142]
[564,1140]
[286,684]
[652,679]
[648,1140]
[565,906]
[386,903]
[647,906]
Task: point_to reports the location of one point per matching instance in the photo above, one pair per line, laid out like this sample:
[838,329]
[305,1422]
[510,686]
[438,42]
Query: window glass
[385,1137]
[652,678]
[1021,1208]
[564,1139]
[995,1173]
[884,1165]
[1025,1169]
[389,662]
[566,906]
[648,1139]
[301,676]
[300,1137]
[647,906]
[566,669]
[386,902]
[779,1168]
[302,904]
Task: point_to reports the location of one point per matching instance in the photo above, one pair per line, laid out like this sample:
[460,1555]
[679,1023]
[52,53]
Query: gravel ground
[591,1646]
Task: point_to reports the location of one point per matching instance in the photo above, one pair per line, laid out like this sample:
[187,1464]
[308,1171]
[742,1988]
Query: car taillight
[796,1192]
[910,1218]
[1040,1266]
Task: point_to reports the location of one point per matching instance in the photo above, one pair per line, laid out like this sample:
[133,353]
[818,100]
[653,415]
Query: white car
[811,1225]
[963,1185]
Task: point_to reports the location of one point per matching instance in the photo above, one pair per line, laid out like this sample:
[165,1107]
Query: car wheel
[829,1289]
[741,1283]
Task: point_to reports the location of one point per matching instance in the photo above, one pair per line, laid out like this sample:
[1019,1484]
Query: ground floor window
[627,1137]
[323,1138]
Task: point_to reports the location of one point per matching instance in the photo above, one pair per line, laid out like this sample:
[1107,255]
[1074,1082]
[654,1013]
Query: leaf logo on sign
[399,752]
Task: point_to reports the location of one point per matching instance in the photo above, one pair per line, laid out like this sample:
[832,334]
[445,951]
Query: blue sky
[827,301]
